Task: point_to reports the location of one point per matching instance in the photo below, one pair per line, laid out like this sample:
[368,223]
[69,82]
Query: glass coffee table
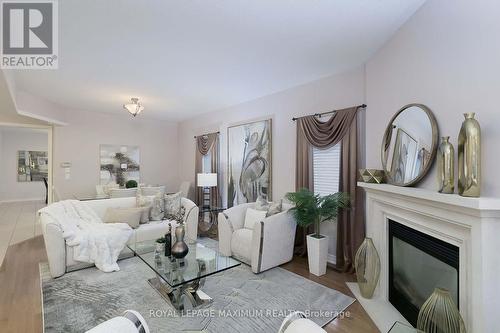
[180,281]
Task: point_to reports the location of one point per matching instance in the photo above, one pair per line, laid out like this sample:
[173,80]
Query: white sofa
[60,256]
[269,244]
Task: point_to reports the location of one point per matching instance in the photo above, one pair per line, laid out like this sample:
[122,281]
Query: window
[207,163]
[326,170]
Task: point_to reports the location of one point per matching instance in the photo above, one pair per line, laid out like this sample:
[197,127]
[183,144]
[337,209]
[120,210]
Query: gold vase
[367,265]
[446,166]
[439,314]
[469,157]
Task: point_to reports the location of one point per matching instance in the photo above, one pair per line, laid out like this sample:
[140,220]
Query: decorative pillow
[275,208]
[158,209]
[131,216]
[253,216]
[146,203]
[261,204]
[172,205]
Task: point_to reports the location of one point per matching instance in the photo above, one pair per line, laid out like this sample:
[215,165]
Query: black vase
[180,248]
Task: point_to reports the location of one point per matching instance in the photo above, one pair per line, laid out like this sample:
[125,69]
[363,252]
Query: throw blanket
[92,240]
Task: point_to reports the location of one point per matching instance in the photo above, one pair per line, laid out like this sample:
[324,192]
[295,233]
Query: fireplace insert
[418,263]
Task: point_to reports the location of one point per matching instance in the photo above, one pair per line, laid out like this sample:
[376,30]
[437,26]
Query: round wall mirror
[409,145]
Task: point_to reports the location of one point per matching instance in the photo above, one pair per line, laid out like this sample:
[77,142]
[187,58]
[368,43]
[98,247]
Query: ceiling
[183,58]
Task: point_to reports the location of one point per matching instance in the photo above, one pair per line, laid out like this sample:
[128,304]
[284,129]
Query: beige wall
[447,57]
[333,92]
[13,140]
[79,142]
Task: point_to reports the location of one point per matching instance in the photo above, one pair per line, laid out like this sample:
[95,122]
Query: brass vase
[439,314]
[469,157]
[367,265]
[446,166]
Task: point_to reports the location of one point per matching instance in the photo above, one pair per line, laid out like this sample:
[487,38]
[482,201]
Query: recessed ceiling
[183,58]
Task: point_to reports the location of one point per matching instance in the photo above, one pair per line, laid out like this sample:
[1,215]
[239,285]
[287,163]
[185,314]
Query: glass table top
[200,262]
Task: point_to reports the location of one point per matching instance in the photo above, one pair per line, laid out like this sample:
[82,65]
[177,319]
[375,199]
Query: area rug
[243,301]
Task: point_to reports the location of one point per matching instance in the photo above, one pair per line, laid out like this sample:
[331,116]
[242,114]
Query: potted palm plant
[313,209]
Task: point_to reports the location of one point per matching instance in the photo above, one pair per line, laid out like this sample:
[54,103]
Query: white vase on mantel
[317,252]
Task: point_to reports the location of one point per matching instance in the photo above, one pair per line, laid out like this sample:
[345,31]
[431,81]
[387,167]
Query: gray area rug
[243,301]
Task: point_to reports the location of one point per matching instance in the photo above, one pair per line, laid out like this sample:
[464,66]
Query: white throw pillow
[131,216]
[253,216]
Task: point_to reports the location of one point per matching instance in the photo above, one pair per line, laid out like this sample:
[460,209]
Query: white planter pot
[317,252]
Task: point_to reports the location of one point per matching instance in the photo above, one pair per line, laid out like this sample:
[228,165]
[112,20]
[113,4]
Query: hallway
[18,223]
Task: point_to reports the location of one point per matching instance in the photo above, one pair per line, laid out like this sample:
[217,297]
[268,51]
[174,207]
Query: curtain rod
[323,113]
[218,132]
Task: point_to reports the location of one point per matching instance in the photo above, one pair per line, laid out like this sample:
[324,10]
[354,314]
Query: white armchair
[269,244]
[297,322]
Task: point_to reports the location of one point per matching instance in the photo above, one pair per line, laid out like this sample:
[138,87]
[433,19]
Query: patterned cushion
[145,202]
[275,208]
[172,205]
[158,209]
[261,204]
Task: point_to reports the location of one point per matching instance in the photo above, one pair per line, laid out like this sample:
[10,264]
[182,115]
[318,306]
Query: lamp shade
[207,179]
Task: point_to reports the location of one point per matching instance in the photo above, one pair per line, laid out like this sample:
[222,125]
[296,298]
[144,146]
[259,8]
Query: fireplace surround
[471,225]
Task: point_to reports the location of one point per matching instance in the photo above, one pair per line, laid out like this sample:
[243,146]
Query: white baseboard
[22,200]
[331,259]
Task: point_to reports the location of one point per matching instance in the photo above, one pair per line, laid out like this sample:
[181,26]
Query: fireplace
[418,263]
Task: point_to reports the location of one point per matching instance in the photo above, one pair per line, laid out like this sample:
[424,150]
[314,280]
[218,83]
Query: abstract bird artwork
[249,158]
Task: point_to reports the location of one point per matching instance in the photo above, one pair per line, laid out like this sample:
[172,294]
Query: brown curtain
[350,223]
[342,126]
[207,143]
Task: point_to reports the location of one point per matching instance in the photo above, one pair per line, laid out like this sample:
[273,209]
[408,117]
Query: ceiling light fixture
[135,107]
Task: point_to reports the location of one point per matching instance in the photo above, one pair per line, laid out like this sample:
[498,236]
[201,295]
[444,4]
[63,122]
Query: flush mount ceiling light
[134,108]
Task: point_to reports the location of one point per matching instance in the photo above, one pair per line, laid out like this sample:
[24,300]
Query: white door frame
[50,154]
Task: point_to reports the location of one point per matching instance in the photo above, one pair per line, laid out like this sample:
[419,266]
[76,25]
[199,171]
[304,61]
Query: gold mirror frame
[435,139]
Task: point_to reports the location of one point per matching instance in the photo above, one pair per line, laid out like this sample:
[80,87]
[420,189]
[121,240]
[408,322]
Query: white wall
[447,56]
[79,142]
[334,92]
[13,140]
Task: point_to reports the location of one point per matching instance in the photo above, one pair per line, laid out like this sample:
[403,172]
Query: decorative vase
[446,166]
[469,157]
[371,176]
[180,248]
[160,247]
[440,314]
[317,253]
[367,265]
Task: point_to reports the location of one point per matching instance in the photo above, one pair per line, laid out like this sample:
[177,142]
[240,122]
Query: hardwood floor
[18,223]
[20,301]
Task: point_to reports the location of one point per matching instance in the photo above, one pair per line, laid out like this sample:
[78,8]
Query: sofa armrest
[55,245]
[190,218]
[225,233]
[272,241]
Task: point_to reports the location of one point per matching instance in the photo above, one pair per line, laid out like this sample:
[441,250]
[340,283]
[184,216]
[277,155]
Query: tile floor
[18,222]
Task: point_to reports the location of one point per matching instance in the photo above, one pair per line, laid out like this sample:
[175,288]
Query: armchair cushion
[241,244]
[253,216]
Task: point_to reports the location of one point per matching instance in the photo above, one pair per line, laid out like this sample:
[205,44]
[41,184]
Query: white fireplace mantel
[471,224]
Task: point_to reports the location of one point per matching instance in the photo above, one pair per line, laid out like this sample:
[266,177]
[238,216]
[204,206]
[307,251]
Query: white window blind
[326,170]
[206,163]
